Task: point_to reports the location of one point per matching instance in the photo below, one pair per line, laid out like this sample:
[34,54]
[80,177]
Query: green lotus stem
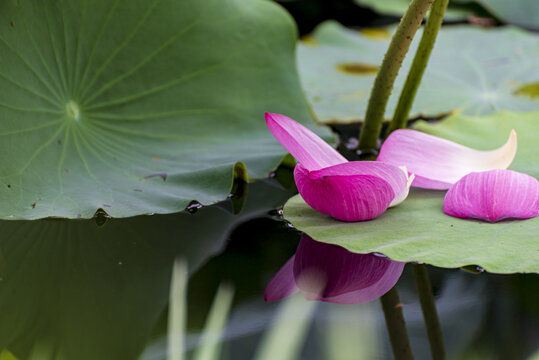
[398,336]
[432,323]
[407,96]
[389,70]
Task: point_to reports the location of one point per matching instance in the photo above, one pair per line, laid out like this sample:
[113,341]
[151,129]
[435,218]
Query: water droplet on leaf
[193,207]
[101,217]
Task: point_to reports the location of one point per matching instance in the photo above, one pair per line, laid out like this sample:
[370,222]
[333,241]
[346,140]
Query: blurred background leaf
[478,76]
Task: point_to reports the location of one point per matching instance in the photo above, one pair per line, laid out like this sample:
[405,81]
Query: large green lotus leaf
[70,289]
[475,77]
[418,230]
[138,106]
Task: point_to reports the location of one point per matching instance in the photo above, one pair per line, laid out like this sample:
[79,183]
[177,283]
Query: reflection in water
[70,289]
[331,273]
[87,292]
[335,331]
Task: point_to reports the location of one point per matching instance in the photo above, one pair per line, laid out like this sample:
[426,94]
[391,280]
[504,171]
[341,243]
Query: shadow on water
[94,289]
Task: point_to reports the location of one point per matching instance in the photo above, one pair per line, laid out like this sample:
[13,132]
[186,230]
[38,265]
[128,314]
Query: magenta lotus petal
[493,196]
[333,274]
[353,191]
[304,145]
[438,163]
[348,191]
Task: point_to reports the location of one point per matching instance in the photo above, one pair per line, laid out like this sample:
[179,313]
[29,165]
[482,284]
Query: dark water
[76,290]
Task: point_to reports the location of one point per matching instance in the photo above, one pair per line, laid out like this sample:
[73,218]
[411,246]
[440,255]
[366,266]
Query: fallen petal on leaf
[404,191]
[493,196]
[344,193]
[304,145]
[438,163]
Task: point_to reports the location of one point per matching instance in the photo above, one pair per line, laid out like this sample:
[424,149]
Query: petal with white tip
[438,163]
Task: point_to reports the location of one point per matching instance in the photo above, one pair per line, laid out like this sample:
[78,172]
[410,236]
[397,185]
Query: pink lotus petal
[331,273]
[353,191]
[304,145]
[438,163]
[493,196]
[403,194]
[283,283]
[395,176]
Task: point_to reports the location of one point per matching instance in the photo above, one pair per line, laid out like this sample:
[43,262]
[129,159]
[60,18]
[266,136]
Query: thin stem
[398,336]
[389,70]
[426,298]
[406,99]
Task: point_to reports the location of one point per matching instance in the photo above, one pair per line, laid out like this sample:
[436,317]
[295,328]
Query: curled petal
[283,283]
[331,273]
[493,195]
[304,145]
[438,163]
[397,177]
[405,190]
[352,191]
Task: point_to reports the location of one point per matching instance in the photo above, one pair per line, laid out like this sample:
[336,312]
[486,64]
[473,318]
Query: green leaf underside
[475,77]
[138,106]
[418,230]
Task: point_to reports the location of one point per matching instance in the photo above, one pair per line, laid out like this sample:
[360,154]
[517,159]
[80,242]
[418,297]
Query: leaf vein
[156,89]
[41,148]
[143,62]
[120,47]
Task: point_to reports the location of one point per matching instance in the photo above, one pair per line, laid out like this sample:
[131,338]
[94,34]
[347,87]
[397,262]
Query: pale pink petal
[494,195]
[331,273]
[404,191]
[438,163]
[283,283]
[353,191]
[304,145]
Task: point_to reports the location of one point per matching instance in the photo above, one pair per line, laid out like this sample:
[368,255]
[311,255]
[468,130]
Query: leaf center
[73,111]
